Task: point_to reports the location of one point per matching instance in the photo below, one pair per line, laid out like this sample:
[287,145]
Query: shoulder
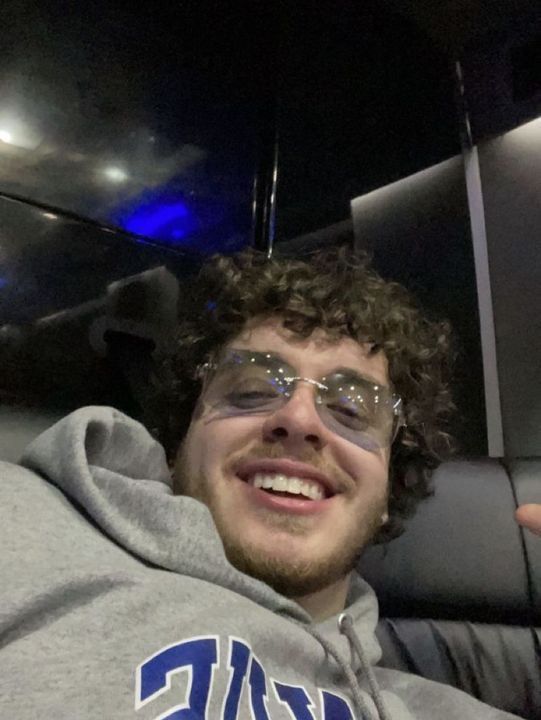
[29,506]
[16,481]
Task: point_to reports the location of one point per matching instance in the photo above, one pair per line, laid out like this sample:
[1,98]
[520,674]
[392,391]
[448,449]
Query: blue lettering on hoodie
[297,700]
[258,687]
[199,657]
[335,708]
[239,657]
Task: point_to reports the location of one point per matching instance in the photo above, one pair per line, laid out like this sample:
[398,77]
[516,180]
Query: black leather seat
[459,592]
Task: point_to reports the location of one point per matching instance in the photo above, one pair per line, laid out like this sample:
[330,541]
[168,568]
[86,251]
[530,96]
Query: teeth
[283,483]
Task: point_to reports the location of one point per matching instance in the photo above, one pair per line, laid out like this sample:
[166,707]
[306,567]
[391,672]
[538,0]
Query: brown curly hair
[335,290]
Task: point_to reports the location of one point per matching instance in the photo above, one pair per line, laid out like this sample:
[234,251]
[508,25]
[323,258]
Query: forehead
[314,356]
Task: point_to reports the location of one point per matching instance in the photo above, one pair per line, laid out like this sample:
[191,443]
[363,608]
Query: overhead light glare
[6,137]
[115,174]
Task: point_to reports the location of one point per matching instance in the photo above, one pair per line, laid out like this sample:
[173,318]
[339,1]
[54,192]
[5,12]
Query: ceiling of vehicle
[456,24]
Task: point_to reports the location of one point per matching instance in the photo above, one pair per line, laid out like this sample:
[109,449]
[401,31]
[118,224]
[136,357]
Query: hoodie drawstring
[346,627]
[348,672]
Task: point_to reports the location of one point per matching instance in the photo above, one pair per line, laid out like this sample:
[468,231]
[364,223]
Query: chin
[288,575]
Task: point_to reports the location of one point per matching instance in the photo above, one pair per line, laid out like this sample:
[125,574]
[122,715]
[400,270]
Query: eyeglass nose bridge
[291,381]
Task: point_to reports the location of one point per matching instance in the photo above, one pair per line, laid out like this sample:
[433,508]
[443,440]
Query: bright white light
[15,132]
[51,216]
[115,174]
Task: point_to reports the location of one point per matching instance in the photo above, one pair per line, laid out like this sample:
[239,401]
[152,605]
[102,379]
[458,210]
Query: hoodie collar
[362,607]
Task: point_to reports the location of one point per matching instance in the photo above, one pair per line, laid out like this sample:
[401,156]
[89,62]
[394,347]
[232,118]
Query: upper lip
[285,466]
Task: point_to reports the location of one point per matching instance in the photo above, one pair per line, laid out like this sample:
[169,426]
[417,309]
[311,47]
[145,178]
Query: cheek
[198,451]
[194,463]
[210,444]
[369,471]
[358,462]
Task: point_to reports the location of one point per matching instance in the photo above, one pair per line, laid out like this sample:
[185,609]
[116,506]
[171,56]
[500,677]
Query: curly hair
[335,290]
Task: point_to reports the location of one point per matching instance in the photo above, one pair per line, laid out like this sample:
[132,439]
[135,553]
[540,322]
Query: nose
[296,423]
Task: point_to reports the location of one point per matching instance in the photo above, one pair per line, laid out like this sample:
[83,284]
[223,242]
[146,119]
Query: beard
[289,576]
[294,578]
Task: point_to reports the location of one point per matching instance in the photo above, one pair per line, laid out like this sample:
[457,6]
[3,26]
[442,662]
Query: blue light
[196,222]
[168,221]
[3,282]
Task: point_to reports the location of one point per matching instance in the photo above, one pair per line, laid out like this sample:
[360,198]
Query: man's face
[296,546]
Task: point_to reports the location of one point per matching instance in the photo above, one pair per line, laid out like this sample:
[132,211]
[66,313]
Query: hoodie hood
[109,464]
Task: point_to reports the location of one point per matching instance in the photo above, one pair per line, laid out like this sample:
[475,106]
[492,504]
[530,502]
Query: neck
[327,602]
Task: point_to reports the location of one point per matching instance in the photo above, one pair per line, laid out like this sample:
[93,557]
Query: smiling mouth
[282,485]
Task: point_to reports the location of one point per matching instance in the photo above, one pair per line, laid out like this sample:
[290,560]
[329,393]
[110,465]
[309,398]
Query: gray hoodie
[117,602]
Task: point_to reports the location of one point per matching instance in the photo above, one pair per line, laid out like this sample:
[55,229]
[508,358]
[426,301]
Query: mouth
[286,485]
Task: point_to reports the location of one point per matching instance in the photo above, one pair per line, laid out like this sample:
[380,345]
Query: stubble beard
[291,577]
[294,577]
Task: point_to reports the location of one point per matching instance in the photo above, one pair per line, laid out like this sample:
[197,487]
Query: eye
[350,416]
[253,395]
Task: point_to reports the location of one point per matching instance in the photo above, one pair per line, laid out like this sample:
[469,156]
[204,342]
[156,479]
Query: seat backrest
[19,426]
[460,591]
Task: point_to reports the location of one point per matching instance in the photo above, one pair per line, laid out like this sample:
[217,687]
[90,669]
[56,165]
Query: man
[301,409]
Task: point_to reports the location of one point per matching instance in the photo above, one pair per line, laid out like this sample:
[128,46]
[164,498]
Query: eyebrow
[348,371]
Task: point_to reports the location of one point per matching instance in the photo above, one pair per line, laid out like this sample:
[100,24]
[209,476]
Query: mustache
[277,451]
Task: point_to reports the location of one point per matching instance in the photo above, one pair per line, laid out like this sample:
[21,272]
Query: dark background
[151,136]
